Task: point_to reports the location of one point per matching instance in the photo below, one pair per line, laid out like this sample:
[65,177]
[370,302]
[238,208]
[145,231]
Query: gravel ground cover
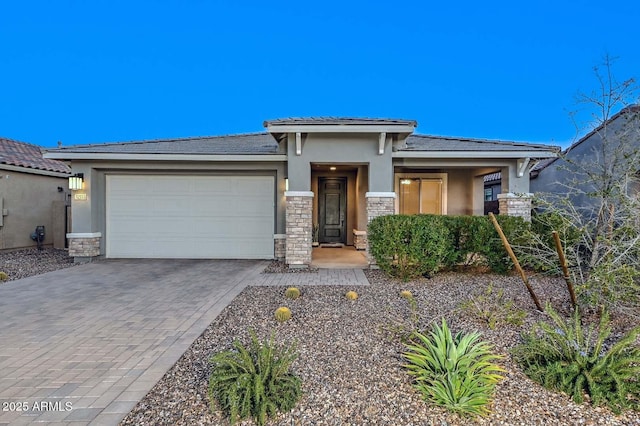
[28,262]
[350,356]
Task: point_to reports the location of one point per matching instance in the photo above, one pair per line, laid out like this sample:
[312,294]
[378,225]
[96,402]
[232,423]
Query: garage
[189,216]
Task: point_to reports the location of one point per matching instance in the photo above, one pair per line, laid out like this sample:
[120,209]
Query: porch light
[332,168]
[405,181]
[286,184]
[76,181]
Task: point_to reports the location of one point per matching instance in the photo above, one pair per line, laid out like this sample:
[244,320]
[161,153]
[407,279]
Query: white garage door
[168,216]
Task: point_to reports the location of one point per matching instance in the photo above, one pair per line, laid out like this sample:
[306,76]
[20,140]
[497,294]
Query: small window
[420,196]
[488,194]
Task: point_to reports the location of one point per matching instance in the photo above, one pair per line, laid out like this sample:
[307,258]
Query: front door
[332,204]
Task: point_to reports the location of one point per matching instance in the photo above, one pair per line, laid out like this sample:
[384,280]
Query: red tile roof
[22,154]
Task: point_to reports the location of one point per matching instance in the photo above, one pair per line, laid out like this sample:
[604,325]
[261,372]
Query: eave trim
[164,157]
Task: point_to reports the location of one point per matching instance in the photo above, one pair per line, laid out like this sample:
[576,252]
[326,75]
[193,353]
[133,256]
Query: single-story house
[266,195]
[33,192]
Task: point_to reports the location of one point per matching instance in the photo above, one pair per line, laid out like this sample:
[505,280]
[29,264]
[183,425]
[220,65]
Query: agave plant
[254,381]
[456,372]
[564,355]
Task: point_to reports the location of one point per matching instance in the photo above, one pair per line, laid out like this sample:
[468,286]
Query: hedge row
[408,246]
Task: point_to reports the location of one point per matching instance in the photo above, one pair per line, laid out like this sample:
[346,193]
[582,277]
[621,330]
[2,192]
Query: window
[420,195]
[488,194]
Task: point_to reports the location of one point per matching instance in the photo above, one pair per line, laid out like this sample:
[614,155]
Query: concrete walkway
[343,277]
[83,345]
[346,257]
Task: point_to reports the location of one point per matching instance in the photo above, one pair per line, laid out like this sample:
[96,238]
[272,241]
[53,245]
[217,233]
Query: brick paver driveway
[84,344]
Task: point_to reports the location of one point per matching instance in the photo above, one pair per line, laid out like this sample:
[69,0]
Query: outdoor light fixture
[332,168]
[286,184]
[405,182]
[76,181]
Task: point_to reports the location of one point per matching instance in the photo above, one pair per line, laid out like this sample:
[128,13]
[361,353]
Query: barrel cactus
[351,295]
[283,314]
[292,293]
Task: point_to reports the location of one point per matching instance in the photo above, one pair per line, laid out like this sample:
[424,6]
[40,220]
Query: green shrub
[566,357]
[515,229]
[254,381]
[492,308]
[408,246]
[456,372]
[3,276]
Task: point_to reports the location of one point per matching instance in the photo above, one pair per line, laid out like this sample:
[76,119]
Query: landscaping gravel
[350,358]
[28,262]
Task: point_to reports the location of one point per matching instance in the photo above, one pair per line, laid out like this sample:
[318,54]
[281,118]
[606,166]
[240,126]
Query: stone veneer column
[516,205]
[299,228]
[378,204]
[84,246]
[279,246]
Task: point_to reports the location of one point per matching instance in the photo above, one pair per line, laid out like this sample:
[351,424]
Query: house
[611,145]
[492,188]
[262,195]
[33,192]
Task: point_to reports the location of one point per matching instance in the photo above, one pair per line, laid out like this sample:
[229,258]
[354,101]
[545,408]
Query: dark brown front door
[332,205]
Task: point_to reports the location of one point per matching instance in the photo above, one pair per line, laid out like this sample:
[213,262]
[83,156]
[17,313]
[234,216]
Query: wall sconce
[76,181]
[286,184]
[405,182]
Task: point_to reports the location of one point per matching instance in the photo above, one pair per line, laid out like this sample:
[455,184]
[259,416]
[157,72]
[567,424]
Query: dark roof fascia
[343,121]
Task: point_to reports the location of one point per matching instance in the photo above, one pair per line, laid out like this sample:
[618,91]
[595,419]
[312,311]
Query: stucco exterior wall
[330,148]
[621,135]
[88,216]
[31,200]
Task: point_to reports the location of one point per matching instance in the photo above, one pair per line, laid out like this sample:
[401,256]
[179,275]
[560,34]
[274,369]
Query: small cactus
[292,293]
[3,276]
[351,295]
[283,314]
[406,294]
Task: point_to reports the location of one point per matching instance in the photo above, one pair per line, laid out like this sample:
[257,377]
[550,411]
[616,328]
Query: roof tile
[22,154]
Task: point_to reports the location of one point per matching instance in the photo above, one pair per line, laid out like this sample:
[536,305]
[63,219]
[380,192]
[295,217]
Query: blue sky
[96,71]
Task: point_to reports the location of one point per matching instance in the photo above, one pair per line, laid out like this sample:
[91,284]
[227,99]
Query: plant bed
[25,263]
[350,355]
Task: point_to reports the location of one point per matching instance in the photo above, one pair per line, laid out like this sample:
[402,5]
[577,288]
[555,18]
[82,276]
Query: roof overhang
[340,128]
[162,157]
[29,170]
[474,154]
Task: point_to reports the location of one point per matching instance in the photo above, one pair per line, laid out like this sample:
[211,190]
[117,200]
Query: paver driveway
[83,345]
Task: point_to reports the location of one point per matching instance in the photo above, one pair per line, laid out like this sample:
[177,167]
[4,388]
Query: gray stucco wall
[31,200]
[88,216]
[330,148]
[622,135]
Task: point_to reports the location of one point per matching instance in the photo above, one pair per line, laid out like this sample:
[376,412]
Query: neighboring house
[33,192]
[260,195]
[615,141]
[492,188]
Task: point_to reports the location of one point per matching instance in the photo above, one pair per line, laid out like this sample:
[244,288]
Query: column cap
[84,235]
[515,195]
[380,195]
[298,194]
